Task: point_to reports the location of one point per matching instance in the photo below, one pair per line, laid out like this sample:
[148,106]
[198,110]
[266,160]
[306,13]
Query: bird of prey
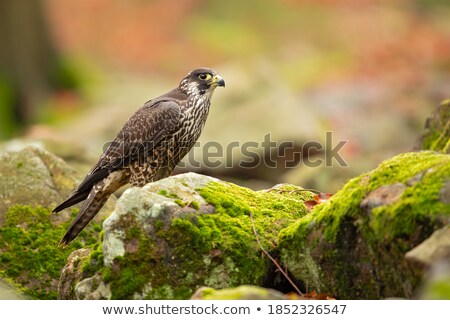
[149,146]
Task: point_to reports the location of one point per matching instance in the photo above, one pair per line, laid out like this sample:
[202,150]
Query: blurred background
[369,71]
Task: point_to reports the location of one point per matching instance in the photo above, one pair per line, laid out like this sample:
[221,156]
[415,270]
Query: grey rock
[9,292]
[383,195]
[71,273]
[36,177]
[135,203]
[444,195]
[92,289]
[434,249]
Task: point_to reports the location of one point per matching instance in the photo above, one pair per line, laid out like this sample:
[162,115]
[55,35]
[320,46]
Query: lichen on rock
[173,236]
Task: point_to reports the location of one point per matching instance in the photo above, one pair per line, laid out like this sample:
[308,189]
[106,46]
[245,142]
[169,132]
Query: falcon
[149,146]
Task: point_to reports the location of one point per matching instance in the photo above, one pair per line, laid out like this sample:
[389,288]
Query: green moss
[207,292]
[270,210]
[172,196]
[107,275]
[437,289]
[181,203]
[29,251]
[192,204]
[234,200]
[94,262]
[195,205]
[158,224]
[162,192]
[165,193]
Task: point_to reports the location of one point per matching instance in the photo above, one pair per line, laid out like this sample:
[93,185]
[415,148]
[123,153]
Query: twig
[273,260]
[295,191]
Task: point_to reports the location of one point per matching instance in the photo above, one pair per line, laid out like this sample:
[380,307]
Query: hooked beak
[218,81]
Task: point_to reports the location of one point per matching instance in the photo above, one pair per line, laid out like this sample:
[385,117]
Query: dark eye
[204,76]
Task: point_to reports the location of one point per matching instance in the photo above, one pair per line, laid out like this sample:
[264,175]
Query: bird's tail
[88,211]
[73,199]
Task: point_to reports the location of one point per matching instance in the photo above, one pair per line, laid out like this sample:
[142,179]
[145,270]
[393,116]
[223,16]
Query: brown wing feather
[148,126]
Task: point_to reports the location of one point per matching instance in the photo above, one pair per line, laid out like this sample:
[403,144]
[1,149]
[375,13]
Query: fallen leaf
[318,199]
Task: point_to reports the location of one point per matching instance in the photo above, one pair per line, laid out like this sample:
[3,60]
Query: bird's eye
[204,76]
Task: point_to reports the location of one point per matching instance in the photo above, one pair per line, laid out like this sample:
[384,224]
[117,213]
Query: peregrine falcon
[149,146]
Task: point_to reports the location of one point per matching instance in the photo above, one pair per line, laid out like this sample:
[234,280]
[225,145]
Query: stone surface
[434,249]
[35,177]
[444,195]
[384,195]
[9,292]
[71,273]
[92,289]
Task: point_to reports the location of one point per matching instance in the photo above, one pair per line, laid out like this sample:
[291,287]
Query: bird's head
[201,81]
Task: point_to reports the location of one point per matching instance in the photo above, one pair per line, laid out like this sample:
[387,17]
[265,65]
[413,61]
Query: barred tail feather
[88,211]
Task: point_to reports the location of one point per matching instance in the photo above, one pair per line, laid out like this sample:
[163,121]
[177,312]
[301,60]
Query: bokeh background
[369,71]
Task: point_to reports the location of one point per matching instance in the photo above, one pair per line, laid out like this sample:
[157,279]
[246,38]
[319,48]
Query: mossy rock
[353,246]
[436,135]
[33,182]
[171,237]
[36,177]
